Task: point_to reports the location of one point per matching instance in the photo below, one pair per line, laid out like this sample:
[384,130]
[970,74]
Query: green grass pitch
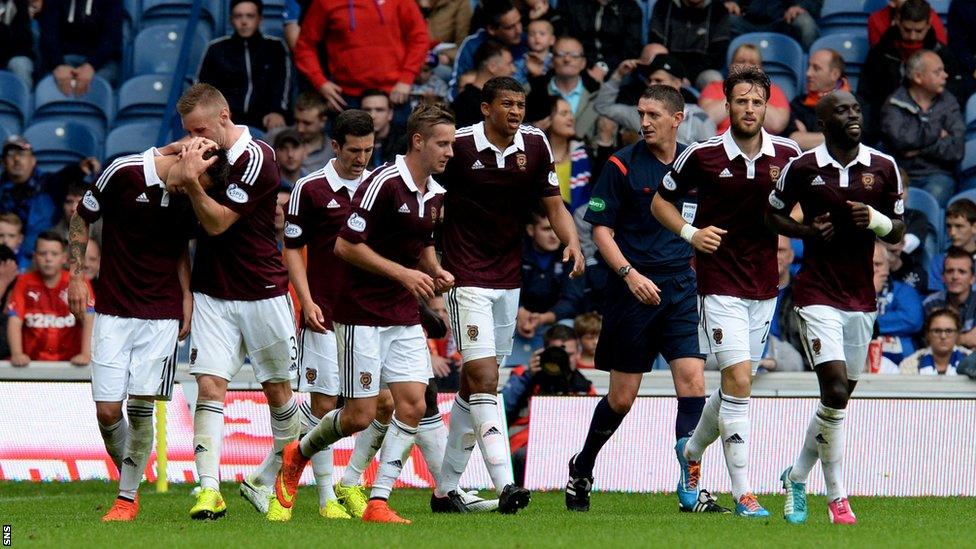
[67,515]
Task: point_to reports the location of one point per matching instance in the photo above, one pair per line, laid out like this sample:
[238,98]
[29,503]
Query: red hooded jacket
[368,43]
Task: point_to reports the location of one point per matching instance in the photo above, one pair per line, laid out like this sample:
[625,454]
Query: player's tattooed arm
[77,285]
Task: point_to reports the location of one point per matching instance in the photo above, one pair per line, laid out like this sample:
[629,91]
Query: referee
[651,304]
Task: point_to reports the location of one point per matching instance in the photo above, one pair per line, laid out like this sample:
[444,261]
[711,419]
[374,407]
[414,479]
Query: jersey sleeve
[604,204]
[548,182]
[16,304]
[297,218]
[893,202]
[372,201]
[249,186]
[787,191]
[99,193]
[682,178]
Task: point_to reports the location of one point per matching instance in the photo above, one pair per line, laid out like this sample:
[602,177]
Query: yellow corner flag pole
[162,483]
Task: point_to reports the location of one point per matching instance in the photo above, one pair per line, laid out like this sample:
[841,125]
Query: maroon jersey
[243,263]
[145,233]
[391,217]
[318,209]
[839,273]
[490,196]
[732,195]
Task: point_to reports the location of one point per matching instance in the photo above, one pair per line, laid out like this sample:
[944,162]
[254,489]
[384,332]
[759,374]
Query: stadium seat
[157,50]
[143,99]
[971,116]
[94,109]
[846,16]
[5,132]
[785,82]
[14,102]
[162,12]
[129,139]
[781,54]
[58,143]
[131,10]
[967,168]
[273,25]
[922,201]
[852,47]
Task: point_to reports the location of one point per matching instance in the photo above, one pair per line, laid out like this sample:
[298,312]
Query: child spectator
[960,220]
[538,60]
[40,326]
[900,314]
[12,236]
[942,355]
[587,327]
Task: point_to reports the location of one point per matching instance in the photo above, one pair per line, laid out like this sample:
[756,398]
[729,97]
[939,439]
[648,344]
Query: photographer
[551,371]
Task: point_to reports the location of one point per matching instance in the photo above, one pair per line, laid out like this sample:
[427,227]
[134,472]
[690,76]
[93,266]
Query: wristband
[880,224]
[688,232]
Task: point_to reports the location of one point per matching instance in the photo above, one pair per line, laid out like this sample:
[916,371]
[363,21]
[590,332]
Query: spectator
[80,40]
[40,326]
[448,21]
[907,268]
[503,24]
[93,260]
[962,41]
[552,371]
[74,193]
[428,86]
[368,45]
[568,80]
[444,355]
[290,155]
[960,223]
[712,98]
[571,160]
[785,325]
[900,315]
[16,40]
[12,237]
[533,10]
[587,327]
[390,140]
[310,119]
[696,32]
[253,71]
[797,18]
[610,31]
[33,195]
[8,277]
[923,127]
[825,74]
[663,69]
[538,60]
[957,276]
[942,354]
[492,59]
[880,21]
[883,70]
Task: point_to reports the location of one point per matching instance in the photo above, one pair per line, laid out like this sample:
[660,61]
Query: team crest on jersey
[237,194]
[365,379]
[774,173]
[91,202]
[472,332]
[717,335]
[311,374]
[867,180]
[193,355]
[521,161]
[816,345]
[292,230]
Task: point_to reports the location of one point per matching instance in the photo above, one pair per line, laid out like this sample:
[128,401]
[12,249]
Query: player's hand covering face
[747,109]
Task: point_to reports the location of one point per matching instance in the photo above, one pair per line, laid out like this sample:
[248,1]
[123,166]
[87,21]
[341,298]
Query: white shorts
[375,356]
[225,331]
[734,329]
[483,321]
[831,334]
[318,367]
[133,357]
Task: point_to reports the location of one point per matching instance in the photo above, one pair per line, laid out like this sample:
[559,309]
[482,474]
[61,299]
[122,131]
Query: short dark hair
[942,311]
[76,188]
[308,100]
[746,74]
[955,252]
[964,208]
[488,50]
[670,97]
[426,116]
[219,172]
[560,332]
[258,3]
[914,11]
[376,93]
[499,84]
[354,122]
[492,11]
[52,236]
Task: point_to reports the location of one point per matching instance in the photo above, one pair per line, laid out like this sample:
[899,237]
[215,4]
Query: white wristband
[880,224]
[688,231]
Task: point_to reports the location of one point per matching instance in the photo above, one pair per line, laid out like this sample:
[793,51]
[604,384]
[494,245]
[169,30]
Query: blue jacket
[900,318]
[37,201]
[464,61]
[546,285]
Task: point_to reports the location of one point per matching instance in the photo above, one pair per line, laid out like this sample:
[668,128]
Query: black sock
[603,425]
[689,412]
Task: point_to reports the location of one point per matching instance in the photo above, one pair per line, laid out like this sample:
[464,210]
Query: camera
[554,372]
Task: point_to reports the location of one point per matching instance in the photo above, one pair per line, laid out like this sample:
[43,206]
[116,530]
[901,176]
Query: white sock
[734,426]
[321,461]
[368,442]
[285,424]
[491,439]
[832,442]
[265,474]
[707,429]
[138,446]
[208,435]
[114,438]
[432,439]
[460,443]
[808,454]
[397,443]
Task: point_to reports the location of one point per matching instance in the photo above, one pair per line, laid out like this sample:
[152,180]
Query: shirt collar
[433,187]
[824,159]
[482,143]
[337,182]
[237,149]
[554,90]
[149,169]
[732,150]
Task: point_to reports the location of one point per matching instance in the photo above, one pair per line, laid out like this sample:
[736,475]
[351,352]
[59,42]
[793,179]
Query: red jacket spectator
[372,44]
[50,331]
[880,21]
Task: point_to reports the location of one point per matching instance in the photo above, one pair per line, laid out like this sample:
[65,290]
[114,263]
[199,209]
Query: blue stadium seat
[15,102]
[852,47]
[922,201]
[94,109]
[129,139]
[967,168]
[5,132]
[846,15]
[157,50]
[786,83]
[781,54]
[162,12]
[131,10]
[58,143]
[273,25]
[971,116]
[143,99]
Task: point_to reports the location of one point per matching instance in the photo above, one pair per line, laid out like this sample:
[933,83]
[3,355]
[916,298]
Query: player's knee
[835,394]
[108,413]
[322,404]
[621,401]
[278,393]
[482,378]
[384,406]
[410,412]
[211,388]
[430,400]
[357,418]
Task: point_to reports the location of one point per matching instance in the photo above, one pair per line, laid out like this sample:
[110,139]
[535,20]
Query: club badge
[717,335]
[867,180]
